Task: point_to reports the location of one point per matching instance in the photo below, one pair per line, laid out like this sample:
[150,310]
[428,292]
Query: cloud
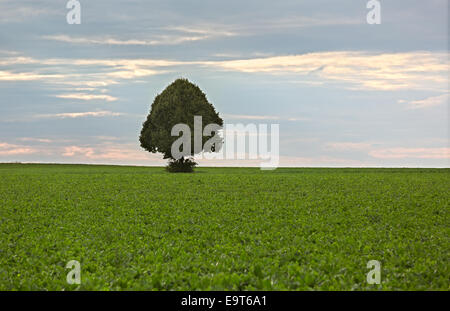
[72,115]
[428,102]
[418,153]
[11,149]
[355,70]
[261,117]
[134,73]
[360,70]
[12,13]
[125,153]
[391,153]
[250,117]
[345,146]
[92,84]
[8,61]
[182,34]
[162,40]
[84,96]
[258,26]
[9,52]
[26,76]
[296,22]
[107,138]
[82,72]
[34,139]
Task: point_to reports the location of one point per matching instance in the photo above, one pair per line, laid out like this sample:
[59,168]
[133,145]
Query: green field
[141,228]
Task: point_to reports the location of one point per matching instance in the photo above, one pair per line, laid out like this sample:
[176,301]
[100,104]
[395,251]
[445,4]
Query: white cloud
[112,153]
[428,102]
[12,13]
[94,72]
[72,115]
[345,146]
[261,117]
[359,70]
[250,117]
[8,61]
[390,153]
[8,52]
[183,34]
[34,139]
[26,76]
[84,96]
[11,149]
[355,70]
[418,153]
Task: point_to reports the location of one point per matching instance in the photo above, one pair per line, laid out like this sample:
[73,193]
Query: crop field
[141,228]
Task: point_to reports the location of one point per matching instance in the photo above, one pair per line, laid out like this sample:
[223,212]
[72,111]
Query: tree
[178,103]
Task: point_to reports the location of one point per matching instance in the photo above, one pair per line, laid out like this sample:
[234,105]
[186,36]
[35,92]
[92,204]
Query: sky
[345,93]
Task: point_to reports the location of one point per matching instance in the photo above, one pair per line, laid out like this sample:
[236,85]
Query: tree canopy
[178,103]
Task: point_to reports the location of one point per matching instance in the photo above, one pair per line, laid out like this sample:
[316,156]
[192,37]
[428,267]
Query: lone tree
[178,103]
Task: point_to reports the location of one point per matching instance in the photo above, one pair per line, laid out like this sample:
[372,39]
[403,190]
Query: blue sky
[344,92]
